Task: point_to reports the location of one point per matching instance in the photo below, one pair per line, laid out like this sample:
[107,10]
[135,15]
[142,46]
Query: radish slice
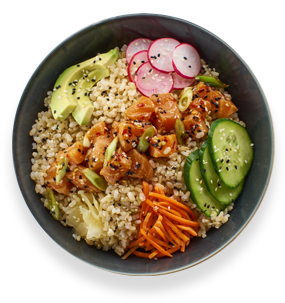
[151,81]
[180,82]
[186,61]
[160,54]
[137,60]
[137,46]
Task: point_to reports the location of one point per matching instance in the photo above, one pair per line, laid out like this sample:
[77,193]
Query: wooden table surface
[35,35]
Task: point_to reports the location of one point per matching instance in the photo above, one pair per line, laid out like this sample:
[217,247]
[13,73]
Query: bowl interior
[246,93]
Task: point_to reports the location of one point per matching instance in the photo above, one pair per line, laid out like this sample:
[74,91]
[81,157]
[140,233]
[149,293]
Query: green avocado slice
[62,102]
[84,109]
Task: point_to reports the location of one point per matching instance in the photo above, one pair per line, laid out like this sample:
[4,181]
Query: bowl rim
[167,17]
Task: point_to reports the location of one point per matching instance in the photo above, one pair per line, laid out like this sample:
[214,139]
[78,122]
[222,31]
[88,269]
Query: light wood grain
[35,35]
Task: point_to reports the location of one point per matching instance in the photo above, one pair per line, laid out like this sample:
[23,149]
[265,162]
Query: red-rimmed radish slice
[180,82]
[160,54]
[136,46]
[137,60]
[186,61]
[151,81]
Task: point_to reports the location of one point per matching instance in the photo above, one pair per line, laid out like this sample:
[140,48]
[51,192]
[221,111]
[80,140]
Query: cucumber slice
[199,193]
[214,184]
[231,151]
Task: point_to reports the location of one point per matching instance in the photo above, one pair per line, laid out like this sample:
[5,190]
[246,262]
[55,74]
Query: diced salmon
[195,126]
[114,129]
[166,112]
[76,153]
[220,106]
[96,153]
[201,106]
[117,167]
[63,187]
[77,177]
[140,165]
[129,133]
[98,129]
[141,110]
[163,146]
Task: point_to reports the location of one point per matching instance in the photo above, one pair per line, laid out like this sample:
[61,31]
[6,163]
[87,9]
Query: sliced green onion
[110,150]
[52,204]
[61,169]
[185,99]
[211,81]
[179,130]
[95,179]
[144,142]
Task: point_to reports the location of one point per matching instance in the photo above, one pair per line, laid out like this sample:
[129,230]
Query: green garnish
[211,81]
[52,204]
[95,179]
[144,142]
[179,130]
[110,150]
[185,98]
[61,169]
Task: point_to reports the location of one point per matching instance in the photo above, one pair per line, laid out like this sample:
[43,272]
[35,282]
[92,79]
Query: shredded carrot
[181,205]
[178,219]
[141,254]
[130,252]
[166,226]
[138,241]
[145,189]
[157,246]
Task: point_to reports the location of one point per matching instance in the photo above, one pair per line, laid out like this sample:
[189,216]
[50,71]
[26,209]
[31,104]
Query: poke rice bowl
[101,37]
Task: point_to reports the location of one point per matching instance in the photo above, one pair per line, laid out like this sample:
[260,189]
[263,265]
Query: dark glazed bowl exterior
[243,86]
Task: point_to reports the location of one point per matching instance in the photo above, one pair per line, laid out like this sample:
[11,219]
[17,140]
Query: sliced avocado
[62,102]
[84,109]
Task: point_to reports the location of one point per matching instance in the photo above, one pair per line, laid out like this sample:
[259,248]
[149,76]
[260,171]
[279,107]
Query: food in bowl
[140,148]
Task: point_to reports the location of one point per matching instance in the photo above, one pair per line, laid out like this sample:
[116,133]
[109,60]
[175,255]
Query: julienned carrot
[182,205]
[166,226]
[178,219]
[188,228]
[130,252]
[138,241]
[177,213]
[158,247]
[141,254]
[160,232]
[176,230]
[145,189]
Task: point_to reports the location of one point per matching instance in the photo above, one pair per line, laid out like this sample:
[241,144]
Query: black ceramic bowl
[243,86]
